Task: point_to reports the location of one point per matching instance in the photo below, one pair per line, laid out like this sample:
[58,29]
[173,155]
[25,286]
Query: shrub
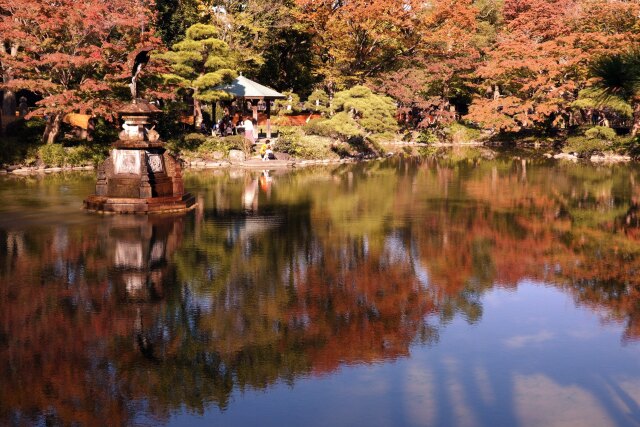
[186,143]
[317,147]
[22,136]
[342,149]
[319,127]
[344,126]
[85,155]
[223,145]
[27,131]
[631,146]
[77,156]
[52,155]
[197,144]
[585,147]
[212,144]
[294,142]
[31,156]
[597,139]
[602,133]
[427,137]
[104,132]
[458,133]
[279,121]
[192,141]
[289,141]
[7,151]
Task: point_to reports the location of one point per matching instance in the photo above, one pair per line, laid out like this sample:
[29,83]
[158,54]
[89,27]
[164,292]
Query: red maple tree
[75,55]
[541,59]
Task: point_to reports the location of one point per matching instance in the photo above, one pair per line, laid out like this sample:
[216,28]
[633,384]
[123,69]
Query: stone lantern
[140,175]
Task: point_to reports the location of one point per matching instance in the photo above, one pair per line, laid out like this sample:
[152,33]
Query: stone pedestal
[140,175]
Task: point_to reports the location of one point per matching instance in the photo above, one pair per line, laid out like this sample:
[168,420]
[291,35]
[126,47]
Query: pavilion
[245,90]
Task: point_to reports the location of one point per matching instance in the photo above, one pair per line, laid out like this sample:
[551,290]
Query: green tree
[360,117]
[618,83]
[272,45]
[199,64]
[318,101]
[175,16]
[288,105]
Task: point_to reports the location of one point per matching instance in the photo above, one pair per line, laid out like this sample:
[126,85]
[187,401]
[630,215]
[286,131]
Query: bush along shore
[295,149]
[366,130]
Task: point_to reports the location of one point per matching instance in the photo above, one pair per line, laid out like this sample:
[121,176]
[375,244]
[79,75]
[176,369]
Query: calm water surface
[395,293]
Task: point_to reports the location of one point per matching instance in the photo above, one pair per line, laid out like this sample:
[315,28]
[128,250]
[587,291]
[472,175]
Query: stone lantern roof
[139,107]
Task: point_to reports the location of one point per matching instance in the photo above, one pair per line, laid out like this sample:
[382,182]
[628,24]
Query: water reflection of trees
[68,295]
[120,317]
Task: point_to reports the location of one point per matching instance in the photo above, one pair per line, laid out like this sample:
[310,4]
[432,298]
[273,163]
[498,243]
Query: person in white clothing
[248,130]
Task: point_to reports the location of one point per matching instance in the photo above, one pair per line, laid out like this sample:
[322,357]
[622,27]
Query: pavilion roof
[242,87]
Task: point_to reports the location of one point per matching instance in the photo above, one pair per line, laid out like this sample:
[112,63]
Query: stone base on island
[102,204]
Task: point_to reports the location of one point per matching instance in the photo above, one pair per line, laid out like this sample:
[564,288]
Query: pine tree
[318,101]
[200,63]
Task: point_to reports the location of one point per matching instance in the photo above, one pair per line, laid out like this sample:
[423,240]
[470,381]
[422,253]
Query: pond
[404,292]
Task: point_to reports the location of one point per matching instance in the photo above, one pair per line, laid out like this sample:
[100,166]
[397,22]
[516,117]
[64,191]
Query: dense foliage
[77,59]
[500,65]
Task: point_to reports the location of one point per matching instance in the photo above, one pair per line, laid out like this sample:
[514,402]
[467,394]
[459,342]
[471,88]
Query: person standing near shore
[248,130]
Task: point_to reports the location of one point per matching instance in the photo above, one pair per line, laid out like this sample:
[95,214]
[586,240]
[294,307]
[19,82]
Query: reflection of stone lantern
[140,249]
[140,176]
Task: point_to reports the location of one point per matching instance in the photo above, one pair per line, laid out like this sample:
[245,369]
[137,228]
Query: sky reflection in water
[390,293]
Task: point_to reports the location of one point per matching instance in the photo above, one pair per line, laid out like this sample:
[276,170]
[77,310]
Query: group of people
[226,127]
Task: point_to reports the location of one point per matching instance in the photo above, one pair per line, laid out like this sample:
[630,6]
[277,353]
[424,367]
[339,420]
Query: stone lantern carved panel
[155,163]
[126,161]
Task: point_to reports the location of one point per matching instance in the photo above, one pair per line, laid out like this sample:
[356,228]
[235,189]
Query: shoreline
[291,163]
[253,163]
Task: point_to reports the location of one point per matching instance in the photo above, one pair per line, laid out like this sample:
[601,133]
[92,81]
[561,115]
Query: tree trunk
[9,103]
[496,92]
[8,108]
[52,129]
[635,128]
[197,114]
